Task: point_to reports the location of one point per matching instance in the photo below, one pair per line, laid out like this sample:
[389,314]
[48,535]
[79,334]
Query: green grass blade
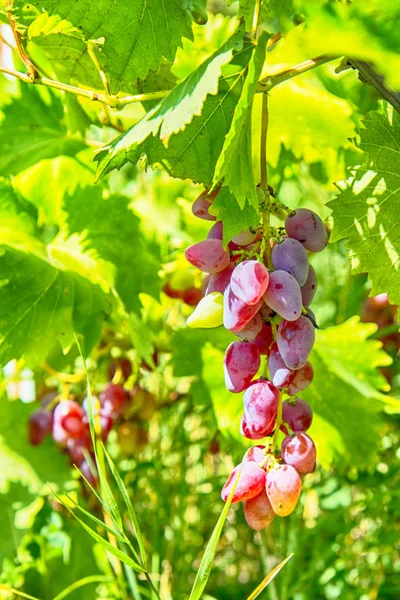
[128,504]
[5,588]
[80,583]
[205,567]
[269,578]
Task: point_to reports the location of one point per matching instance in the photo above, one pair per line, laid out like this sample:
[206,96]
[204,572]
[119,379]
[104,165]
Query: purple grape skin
[258,511]
[290,256]
[309,288]
[297,414]
[241,363]
[220,281]
[299,452]
[251,482]
[216,231]
[302,379]
[280,375]
[236,313]
[308,228]
[283,487]
[208,255]
[260,402]
[39,425]
[200,208]
[295,341]
[283,295]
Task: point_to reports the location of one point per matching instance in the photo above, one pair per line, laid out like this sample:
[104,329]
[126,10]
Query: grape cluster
[260,287]
[66,420]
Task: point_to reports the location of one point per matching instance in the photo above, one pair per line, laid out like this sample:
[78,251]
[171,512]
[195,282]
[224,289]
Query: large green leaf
[109,230]
[136,35]
[179,130]
[32,128]
[365,211]
[234,218]
[234,164]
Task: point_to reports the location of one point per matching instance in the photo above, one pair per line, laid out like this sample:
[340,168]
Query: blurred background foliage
[118,243]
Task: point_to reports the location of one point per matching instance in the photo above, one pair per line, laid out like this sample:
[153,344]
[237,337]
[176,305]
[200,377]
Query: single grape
[264,339]
[192,296]
[236,313]
[279,373]
[208,313]
[260,407]
[251,482]
[200,207]
[208,255]
[69,416]
[283,487]
[283,295]
[249,430]
[39,425]
[295,341]
[290,256]
[244,238]
[297,413]
[170,292]
[309,287]
[299,452]
[216,232]
[241,363]
[258,511]
[220,281]
[249,281]
[59,435]
[256,454]
[302,379]
[113,400]
[306,226]
[252,329]
[123,365]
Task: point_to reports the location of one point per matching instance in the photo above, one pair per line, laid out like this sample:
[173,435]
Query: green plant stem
[82,582]
[269,82]
[32,71]
[153,587]
[278,421]
[256,19]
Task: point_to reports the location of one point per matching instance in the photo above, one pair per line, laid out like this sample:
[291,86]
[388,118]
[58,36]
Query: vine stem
[256,19]
[32,70]
[278,422]
[269,82]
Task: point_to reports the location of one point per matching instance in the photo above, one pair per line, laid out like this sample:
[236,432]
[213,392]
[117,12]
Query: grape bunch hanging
[260,287]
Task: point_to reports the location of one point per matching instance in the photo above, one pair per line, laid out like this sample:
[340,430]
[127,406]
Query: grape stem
[278,423]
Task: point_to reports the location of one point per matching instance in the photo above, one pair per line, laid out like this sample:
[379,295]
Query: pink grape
[68,415]
[113,400]
[260,408]
[39,425]
[283,487]
[241,363]
[295,341]
[297,414]
[302,379]
[264,339]
[220,281]
[308,228]
[236,313]
[200,207]
[249,430]
[216,231]
[280,375]
[283,295]
[256,454]
[208,255]
[76,450]
[309,288]
[251,482]
[249,281]
[244,238]
[258,511]
[290,256]
[252,329]
[299,452]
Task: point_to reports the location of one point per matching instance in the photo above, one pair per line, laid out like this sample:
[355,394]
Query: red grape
[302,379]
[39,425]
[284,295]
[258,511]
[201,205]
[260,408]
[252,329]
[306,226]
[251,482]
[113,400]
[241,363]
[297,414]
[309,288]
[208,255]
[290,256]
[264,339]
[280,375]
[236,313]
[123,364]
[295,341]
[192,296]
[283,486]
[249,281]
[68,415]
[220,281]
[256,454]
[299,452]
[216,231]
[244,238]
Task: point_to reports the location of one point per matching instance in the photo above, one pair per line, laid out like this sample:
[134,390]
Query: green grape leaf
[364,212]
[18,218]
[158,134]
[346,389]
[270,9]
[134,36]
[234,218]
[110,230]
[235,165]
[32,129]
